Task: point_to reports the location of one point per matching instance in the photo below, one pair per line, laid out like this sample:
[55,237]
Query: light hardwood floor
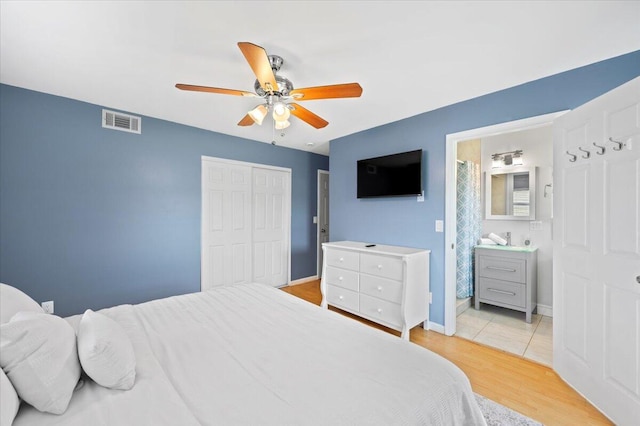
[522,385]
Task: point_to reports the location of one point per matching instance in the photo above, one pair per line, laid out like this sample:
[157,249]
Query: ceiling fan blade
[193,88]
[349,90]
[259,62]
[246,121]
[309,117]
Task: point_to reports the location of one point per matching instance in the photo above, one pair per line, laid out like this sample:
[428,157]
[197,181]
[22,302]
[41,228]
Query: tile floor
[507,330]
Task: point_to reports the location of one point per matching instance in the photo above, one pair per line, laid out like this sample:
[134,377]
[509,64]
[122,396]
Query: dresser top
[377,248]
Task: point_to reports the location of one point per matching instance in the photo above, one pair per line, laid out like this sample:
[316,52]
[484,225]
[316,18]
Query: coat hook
[620,144]
[600,150]
[588,154]
[573,157]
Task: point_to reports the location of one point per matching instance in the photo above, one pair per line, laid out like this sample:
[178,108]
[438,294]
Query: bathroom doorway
[493,325]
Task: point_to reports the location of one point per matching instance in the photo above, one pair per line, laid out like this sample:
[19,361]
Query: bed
[254,355]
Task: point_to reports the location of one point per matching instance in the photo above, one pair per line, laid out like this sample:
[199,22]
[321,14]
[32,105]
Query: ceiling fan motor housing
[284,84]
[284,87]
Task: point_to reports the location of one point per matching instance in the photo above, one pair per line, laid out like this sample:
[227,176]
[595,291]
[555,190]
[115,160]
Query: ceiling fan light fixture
[281,112]
[282,124]
[258,114]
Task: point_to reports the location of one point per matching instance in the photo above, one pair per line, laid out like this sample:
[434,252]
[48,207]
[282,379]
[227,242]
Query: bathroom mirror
[510,193]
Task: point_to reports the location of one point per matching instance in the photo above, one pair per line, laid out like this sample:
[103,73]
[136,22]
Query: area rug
[499,415]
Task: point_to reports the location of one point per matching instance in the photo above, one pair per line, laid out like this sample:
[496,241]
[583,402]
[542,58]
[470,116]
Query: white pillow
[13,301]
[38,352]
[9,401]
[105,351]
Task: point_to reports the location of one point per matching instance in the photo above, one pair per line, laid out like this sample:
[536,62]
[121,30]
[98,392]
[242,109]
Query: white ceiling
[409,57]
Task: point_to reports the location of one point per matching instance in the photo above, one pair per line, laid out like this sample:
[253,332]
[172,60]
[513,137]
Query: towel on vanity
[497,239]
[486,242]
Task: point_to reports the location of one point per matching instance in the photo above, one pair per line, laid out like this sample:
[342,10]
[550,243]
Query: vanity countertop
[522,249]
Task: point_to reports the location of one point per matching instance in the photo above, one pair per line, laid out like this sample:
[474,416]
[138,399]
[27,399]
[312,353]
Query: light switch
[535,225]
[439,225]
[315,219]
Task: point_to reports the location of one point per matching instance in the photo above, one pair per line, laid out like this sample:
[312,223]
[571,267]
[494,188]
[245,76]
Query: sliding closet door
[596,293]
[226,224]
[270,226]
[246,222]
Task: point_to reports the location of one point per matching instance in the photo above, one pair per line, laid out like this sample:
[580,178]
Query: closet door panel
[270,226]
[226,226]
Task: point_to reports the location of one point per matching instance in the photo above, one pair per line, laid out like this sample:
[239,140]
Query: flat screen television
[391,175]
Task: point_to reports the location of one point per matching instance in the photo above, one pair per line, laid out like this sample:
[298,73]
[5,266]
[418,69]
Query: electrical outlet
[439,226]
[48,307]
[420,197]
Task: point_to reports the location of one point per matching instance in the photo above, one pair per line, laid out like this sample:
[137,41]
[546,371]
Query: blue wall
[403,221]
[91,217]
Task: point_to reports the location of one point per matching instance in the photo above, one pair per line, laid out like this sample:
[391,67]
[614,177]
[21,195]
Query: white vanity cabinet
[385,284]
[506,276]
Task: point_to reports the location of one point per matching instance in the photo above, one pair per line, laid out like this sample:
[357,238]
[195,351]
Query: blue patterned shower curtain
[469,226]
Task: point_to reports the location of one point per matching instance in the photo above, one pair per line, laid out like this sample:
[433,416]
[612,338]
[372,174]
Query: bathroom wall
[537,146]
[470,151]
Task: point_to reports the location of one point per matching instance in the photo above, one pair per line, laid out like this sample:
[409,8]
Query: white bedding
[254,355]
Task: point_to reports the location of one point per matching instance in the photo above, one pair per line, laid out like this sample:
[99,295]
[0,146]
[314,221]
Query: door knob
[323,231]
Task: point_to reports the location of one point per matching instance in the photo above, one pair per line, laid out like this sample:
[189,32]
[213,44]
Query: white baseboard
[304,280]
[545,310]
[434,326]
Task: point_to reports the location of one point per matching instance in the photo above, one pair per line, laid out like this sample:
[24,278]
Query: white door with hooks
[596,295]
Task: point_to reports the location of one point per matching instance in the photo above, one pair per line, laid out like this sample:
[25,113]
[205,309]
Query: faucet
[508,238]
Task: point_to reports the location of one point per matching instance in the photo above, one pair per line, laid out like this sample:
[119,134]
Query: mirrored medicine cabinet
[510,193]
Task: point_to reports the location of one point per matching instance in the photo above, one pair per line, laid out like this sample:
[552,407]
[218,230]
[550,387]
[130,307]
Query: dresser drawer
[343,259]
[381,266]
[380,310]
[502,292]
[502,268]
[342,298]
[381,288]
[342,277]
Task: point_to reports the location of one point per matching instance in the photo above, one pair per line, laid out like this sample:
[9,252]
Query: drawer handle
[379,288]
[341,297]
[341,259]
[379,310]
[340,278]
[495,290]
[379,266]
[497,268]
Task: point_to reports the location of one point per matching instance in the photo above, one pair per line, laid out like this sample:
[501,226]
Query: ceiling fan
[277,91]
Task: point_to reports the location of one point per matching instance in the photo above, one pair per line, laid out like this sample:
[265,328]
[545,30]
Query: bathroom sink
[508,248]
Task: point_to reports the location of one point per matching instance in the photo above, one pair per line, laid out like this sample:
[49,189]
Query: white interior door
[270,226]
[226,224]
[323,215]
[597,251]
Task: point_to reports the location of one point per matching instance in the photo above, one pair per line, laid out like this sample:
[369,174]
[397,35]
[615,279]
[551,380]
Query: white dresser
[385,284]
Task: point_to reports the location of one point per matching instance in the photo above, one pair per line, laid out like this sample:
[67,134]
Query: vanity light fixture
[510,158]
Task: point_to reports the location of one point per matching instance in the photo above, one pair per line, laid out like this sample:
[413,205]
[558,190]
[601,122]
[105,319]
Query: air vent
[119,121]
